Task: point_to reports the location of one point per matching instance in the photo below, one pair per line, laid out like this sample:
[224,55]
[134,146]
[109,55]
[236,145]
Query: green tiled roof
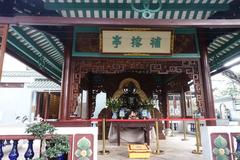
[40,82]
[39,48]
[21,74]
[170,9]
[44,84]
[224,48]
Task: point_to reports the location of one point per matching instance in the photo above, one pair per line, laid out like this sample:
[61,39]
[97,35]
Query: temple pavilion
[140,53]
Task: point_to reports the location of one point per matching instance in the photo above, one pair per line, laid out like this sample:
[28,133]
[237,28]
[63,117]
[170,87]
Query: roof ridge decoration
[44,84]
[146,11]
[22,74]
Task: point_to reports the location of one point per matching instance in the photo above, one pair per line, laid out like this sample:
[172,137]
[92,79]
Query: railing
[192,127]
[26,147]
[14,153]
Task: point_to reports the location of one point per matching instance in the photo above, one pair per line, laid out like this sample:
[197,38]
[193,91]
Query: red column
[165,106]
[64,99]
[183,102]
[46,97]
[206,79]
[3,34]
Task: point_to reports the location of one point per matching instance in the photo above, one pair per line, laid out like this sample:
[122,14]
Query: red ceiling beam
[67,21]
[3,43]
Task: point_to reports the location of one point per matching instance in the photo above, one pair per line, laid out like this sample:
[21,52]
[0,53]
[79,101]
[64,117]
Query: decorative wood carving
[81,67]
[184,43]
[87,42]
[139,91]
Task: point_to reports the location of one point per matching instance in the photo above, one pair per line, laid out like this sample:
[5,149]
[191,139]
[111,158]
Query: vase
[60,157]
[1,151]
[121,113]
[144,113]
[238,144]
[114,116]
[13,155]
[237,152]
[29,153]
[148,115]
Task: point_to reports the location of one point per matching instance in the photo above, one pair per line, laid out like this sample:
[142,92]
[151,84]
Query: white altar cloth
[131,135]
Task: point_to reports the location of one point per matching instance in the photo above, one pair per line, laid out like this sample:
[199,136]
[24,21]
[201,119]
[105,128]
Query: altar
[132,132]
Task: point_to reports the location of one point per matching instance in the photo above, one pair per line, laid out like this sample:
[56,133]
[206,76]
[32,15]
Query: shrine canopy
[42,46]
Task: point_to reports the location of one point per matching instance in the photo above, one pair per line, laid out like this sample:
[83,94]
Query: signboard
[136,41]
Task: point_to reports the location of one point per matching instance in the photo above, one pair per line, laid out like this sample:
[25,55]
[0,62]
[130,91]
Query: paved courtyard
[174,148]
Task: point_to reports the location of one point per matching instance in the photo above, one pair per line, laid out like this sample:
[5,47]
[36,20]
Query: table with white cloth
[132,132]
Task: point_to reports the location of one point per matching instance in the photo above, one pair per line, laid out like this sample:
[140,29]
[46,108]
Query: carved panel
[83,147]
[87,42]
[220,144]
[81,67]
[184,43]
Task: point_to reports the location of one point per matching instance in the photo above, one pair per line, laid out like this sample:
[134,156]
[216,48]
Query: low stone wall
[78,136]
[219,142]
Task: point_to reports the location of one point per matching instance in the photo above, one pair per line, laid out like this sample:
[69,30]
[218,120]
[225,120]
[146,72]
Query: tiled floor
[174,149]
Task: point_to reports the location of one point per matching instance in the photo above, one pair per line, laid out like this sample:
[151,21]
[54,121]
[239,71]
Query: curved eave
[39,50]
[223,49]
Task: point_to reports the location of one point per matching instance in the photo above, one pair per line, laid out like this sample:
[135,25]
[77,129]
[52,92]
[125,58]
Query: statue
[78,109]
[131,100]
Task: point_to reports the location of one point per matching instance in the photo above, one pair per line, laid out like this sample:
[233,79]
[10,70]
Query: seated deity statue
[131,100]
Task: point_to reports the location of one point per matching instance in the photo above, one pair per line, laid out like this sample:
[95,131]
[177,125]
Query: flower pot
[238,144]
[60,157]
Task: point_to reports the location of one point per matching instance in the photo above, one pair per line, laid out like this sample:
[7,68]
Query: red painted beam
[68,21]
[3,35]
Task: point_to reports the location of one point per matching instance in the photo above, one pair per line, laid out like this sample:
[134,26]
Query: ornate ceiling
[43,48]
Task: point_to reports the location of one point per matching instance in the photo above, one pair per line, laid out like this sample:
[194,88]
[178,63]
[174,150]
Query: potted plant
[55,145]
[114,105]
[237,152]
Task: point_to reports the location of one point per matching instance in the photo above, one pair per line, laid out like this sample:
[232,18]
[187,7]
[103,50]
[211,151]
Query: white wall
[14,102]
[235,114]
[206,138]
[8,64]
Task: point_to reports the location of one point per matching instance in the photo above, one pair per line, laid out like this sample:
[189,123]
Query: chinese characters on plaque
[156,42]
